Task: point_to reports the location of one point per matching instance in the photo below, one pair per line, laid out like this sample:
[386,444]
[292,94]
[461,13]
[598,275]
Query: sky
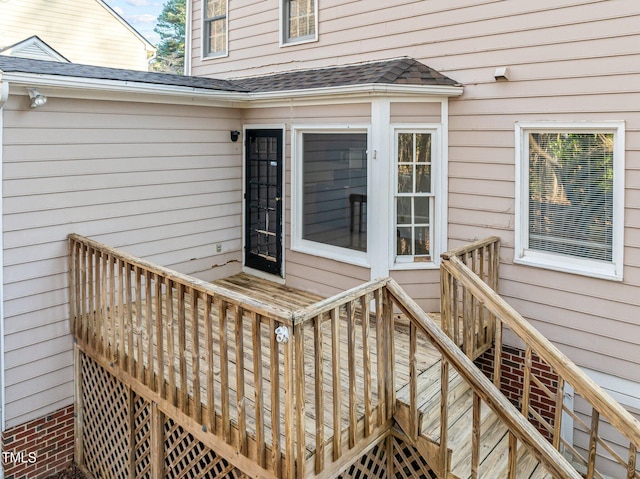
[140,14]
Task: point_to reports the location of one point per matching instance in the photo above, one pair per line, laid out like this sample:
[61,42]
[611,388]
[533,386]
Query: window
[571,197]
[299,21]
[414,197]
[330,203]
[215,28]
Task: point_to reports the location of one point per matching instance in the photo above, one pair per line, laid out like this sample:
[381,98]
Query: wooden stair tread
[494,440]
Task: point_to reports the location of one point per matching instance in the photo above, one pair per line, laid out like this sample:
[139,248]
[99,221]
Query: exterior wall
[159,181]
[84,31]
[41,447]
[569,60]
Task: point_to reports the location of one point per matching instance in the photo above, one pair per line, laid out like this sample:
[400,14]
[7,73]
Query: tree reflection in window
[414,196]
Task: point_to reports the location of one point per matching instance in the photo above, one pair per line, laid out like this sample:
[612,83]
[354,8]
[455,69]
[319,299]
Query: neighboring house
[81,31]
[444,122]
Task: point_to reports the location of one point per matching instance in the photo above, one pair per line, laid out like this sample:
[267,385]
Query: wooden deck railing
[463,320]
[361,318]
[484,391]
[481,298]
[187,341]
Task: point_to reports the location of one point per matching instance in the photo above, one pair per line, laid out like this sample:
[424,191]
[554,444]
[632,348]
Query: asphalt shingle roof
[399,71]
[405,71]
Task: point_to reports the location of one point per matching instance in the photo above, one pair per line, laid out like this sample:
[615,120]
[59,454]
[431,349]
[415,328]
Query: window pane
[404,210]
[421,213]
[405,178]
[301,21]
[403,242]
[423,178]
[216,8]
[423,147]
[421,240]
[405,148]
[335,189]
[571,194]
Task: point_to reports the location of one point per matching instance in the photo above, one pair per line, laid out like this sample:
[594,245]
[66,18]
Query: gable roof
[34,48]
[398,72]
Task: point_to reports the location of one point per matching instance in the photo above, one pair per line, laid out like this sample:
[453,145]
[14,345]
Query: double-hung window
[570,195]
[330,193]
[215,28]
[299,21]
[414,197]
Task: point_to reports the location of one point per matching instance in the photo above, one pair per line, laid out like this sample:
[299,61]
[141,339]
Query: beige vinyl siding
[159,181]
[83,31]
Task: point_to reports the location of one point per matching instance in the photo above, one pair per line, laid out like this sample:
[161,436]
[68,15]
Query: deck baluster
[171,351]
[160,384]
[319,392]
[276,451]
[351,360]
[475,438]
[256,330]
[380,346]
[238,315]
[209,357]
[300,399]
[366,365]
[337,396]
[195,354]
[224,371]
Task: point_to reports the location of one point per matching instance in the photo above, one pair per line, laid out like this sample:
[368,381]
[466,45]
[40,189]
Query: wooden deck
[291,300]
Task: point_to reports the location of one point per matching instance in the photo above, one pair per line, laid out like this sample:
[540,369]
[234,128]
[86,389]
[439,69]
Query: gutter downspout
[187,39]
[4,96]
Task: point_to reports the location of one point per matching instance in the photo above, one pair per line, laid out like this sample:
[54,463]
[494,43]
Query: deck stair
[494,438]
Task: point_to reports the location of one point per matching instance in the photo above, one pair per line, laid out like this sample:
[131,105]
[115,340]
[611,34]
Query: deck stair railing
[463,276]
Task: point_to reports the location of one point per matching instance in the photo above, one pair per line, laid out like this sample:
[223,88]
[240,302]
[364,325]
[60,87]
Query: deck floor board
[291,299]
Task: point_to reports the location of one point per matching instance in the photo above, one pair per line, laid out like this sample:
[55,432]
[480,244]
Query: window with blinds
[571,195]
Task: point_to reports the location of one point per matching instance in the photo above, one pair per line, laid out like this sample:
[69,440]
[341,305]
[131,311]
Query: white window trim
[286,42]
[438,225]
[203,44]
[344,255]
[522,254]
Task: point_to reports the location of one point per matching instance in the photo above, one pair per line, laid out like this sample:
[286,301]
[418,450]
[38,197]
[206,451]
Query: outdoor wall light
[37,98]
[235,134]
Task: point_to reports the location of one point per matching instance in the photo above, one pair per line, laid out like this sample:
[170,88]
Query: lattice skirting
[390,458]
[117,437]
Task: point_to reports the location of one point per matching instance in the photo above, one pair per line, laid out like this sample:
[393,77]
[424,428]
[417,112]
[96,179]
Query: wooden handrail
[619,417]
[468,248]
[340,299]
[552,460]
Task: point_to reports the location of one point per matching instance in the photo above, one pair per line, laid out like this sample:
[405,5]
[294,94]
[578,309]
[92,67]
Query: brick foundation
[512,380]
[39,448]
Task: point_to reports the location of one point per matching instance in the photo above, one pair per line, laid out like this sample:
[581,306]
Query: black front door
[263,200]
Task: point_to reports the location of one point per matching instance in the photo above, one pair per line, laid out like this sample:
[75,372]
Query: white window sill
[567,264]
[343,255]
[410,265]
[302,41]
